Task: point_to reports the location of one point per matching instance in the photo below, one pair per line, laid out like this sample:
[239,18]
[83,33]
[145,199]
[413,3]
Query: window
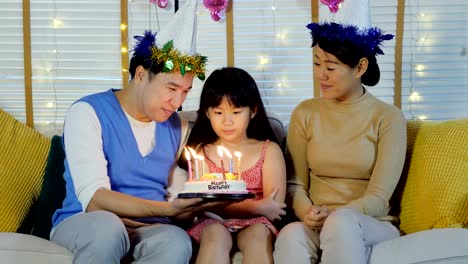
[435,60]
[272,43]
[11,59]
[76,51]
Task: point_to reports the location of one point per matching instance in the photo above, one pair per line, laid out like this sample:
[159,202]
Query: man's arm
[88,169]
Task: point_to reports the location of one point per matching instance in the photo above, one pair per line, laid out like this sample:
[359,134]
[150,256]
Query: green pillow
[53,190]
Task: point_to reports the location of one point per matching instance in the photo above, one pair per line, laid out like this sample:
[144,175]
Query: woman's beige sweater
[345,154]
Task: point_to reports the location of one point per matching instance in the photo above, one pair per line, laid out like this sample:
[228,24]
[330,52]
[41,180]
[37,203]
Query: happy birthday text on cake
[219,185]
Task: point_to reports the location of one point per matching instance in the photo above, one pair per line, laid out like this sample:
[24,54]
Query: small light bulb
[273,8]
[123,26]
[419,67]
[57,23]
[54,51]
[414,96]
[124,50]
[50,104]
[264,60]
[422,117]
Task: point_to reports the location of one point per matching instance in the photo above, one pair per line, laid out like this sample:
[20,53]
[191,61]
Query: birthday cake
[216,183]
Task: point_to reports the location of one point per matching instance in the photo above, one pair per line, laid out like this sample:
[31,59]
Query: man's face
[163,94]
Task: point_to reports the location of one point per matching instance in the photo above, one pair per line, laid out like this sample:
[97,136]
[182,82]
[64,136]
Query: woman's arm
[296,159]
[391,150]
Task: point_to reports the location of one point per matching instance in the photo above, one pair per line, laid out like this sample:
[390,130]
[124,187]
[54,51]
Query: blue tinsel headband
[172,58]
[369,40]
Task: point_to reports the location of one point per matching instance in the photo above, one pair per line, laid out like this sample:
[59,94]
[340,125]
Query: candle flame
[187,154]
[237,154]
[192,151]
[200,157]
[220,151]
[226,151]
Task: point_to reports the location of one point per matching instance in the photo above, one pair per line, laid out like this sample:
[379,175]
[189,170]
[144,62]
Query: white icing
[215,186]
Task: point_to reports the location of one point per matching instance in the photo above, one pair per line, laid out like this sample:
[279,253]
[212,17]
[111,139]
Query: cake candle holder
[195,160]
[238,156]
[187,157]
[221,156]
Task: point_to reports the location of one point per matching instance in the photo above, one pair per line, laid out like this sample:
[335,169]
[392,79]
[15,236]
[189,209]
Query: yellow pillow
[436,191]
[23,156]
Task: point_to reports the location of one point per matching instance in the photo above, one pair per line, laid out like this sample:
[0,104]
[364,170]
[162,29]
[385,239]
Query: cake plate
[217,196]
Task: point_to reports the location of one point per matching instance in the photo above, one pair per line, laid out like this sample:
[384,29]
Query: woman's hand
[316,216]
[270,208]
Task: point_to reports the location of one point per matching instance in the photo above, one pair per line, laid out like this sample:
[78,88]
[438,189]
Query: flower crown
[172,58]
[369,39]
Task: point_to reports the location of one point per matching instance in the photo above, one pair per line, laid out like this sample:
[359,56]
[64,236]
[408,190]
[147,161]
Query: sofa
[26,240]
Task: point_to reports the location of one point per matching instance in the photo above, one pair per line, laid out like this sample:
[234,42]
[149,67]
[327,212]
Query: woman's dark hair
[148,64]
[240,89]
[350,54]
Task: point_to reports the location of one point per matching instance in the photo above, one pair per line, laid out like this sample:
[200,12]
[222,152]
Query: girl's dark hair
[350,54]
[241,90]
[148,64]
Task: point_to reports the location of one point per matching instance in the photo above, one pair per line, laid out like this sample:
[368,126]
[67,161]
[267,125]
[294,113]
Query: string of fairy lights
[264,59]
[53,65]
[415,69]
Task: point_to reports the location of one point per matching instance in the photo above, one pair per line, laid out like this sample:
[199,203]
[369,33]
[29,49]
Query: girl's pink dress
[253,180]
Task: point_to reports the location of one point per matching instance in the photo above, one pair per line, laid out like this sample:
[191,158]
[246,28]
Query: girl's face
[337,80]
[230,122]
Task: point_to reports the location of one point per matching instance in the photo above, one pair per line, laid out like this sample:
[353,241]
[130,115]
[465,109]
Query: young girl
[232,114]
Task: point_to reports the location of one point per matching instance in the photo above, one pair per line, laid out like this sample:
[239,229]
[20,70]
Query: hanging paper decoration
[160,3]
[333,5]
[216,7]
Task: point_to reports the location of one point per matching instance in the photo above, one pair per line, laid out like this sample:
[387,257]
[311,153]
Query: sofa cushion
[20,248]
[23,155]
[53,190]
[445,245]
[436,191]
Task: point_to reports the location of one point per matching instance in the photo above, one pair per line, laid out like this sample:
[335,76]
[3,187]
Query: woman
[346,152]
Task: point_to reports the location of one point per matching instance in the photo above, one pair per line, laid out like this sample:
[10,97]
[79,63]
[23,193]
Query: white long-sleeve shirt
[85,155]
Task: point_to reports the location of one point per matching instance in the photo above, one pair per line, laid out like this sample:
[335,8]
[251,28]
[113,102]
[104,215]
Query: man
[121,148]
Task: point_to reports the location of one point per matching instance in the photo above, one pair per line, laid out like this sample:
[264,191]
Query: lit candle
[228,154]
[187,156]
[221,155]
[202,160]
[238,155]
[195,160]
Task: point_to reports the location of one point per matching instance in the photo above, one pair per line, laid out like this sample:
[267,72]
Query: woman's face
[337,80]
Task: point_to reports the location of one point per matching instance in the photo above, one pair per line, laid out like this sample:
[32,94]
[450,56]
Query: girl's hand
[316,216]
[270,208]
